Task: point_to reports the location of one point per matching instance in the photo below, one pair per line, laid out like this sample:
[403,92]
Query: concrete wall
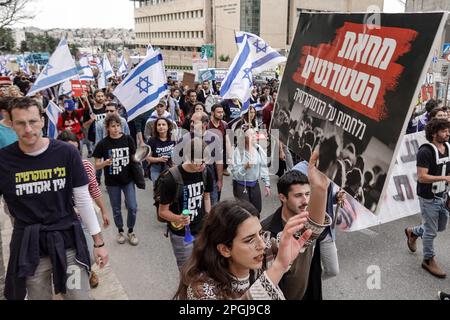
[274,23]
[227,13]
[221,19]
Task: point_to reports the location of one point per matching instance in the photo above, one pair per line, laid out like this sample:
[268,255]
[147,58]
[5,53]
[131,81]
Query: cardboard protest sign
[79,87]
[349,87]
[189,80]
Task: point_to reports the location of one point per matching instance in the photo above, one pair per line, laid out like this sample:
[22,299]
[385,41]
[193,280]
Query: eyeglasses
[24,124]
[255,243]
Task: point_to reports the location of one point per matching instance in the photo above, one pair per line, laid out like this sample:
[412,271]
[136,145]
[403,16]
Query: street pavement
[149,270]
[375,263]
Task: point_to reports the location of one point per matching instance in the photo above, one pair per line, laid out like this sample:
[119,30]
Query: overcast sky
[102,13]
[81,14]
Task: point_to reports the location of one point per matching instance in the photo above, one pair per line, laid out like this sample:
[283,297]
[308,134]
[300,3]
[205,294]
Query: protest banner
[401,198]
[351,87]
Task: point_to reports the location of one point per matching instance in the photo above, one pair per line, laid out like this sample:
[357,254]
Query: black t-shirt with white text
[426,159]
[100,114]
[121,151]
[40,189]
[161,149]
[190,199]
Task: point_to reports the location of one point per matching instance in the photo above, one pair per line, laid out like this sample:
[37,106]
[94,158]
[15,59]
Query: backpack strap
[176,174]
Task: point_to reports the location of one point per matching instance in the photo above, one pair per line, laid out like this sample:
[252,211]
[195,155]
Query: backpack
[176,174]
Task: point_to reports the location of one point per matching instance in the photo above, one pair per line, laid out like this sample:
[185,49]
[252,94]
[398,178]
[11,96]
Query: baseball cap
[5,81]
[69,105]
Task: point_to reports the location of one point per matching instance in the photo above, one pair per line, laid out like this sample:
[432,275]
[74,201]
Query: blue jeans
[435,218]
[181,250]
[115,193]
[214,195]
[155,171]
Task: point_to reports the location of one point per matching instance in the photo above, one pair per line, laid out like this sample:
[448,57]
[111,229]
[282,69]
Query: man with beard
[433,176]
[205,92]
[294,193]
[220,127]
[90,119]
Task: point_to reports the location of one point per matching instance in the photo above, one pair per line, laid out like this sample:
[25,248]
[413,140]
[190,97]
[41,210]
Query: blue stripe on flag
[237,68]
[265,59]
[154,96]
[145,66]
[55,79]
[239,39]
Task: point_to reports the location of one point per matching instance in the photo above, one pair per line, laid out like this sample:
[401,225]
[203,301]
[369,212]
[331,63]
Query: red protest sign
[79,87]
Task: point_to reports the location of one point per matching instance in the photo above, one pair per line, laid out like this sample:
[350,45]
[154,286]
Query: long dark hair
[206,262]
[155,132]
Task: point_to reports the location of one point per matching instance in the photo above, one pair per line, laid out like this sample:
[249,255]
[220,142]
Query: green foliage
[7,42]
[224,58]
[39,43]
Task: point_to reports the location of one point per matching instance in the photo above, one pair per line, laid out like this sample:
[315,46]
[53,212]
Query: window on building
[250,16]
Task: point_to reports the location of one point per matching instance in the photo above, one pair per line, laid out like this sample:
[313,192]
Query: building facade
[180,28]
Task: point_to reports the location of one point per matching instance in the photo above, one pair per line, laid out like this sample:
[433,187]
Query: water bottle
[188,237]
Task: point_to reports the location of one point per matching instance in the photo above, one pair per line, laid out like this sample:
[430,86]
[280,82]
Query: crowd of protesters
[234,255]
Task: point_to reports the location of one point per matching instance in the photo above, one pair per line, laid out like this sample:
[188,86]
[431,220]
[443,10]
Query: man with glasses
[40,180]
[186,187]
[100,130]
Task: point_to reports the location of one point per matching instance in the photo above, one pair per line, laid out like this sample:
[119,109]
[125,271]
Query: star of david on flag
[60,67]
[239,79]
[144,86]
[264,57]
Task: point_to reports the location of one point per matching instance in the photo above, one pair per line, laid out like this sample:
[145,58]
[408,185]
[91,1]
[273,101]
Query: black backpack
[176,174]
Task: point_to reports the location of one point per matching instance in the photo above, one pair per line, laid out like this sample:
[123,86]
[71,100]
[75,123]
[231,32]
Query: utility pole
[446,85]
[215,33]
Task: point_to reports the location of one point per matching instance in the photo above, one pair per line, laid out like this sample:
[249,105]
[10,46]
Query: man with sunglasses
[100,131]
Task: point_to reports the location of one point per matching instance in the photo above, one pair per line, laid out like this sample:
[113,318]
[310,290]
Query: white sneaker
[134,241]
[120,238]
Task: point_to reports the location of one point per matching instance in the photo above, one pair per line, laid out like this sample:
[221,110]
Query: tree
[74,50]
[13,11]
[7,42]
[39,43]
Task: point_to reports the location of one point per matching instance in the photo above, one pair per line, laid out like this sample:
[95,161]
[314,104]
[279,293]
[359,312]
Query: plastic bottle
[188,237]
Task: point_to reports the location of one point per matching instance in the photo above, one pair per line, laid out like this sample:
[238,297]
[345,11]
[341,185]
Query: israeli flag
[65,89]
[87,75]
[144,87]
[53,112]
[101,79]
[263,56]
[150,50]
[107,67]
[60,67]
[123,67]
[239,80]
[23,65]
